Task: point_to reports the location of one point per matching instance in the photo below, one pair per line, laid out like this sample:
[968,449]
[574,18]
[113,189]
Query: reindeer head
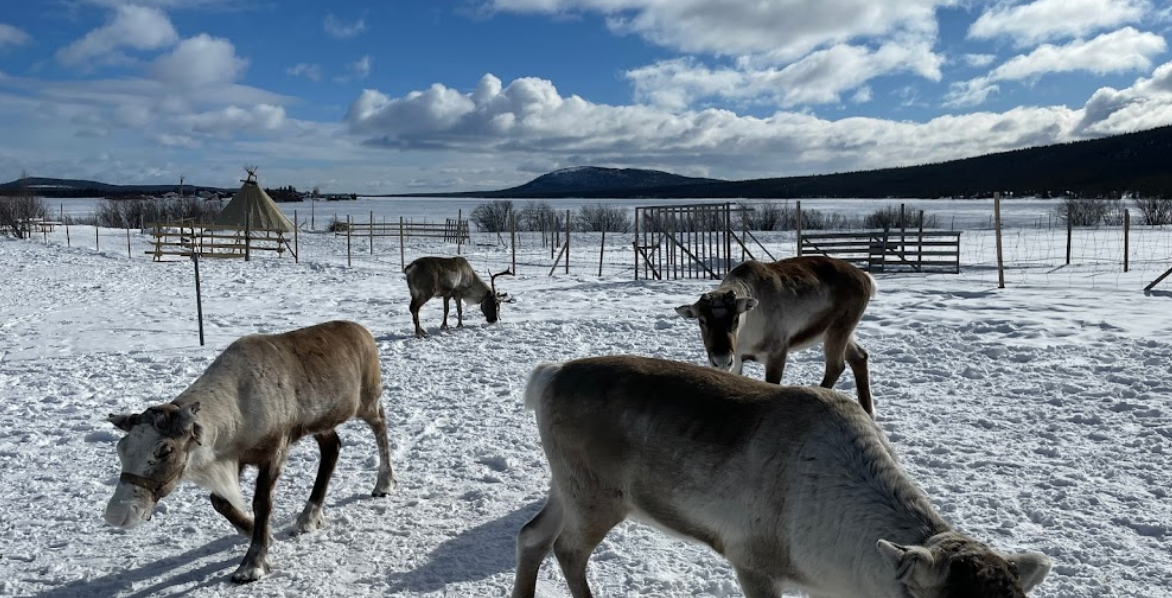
[491,305]
[154,454]
[720,314]
[954,566]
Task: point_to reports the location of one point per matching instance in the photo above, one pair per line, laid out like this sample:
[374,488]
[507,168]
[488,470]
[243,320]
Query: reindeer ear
[745,304]
[1031,567]
[687,311]
[912,564]
[123,421]
[197,434]
[185,417]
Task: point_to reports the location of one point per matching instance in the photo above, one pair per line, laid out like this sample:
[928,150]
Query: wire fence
[1035,253]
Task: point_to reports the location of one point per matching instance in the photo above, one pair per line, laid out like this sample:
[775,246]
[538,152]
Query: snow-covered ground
[1037,417]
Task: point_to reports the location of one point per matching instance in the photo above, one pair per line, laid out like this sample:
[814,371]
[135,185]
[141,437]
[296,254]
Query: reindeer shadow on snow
[476,553]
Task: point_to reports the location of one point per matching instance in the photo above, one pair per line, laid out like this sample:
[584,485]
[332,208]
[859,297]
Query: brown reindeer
[795,486]
[262,394]
[451,278]
[762,311]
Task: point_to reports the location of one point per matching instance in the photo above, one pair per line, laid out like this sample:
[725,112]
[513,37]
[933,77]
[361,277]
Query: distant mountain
[1108,167]
[49,187]
[594,178]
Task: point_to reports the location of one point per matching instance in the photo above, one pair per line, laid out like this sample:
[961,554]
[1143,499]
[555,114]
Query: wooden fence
[214,241]
[889,251]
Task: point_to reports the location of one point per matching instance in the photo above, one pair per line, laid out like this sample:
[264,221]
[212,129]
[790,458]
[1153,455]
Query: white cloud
[200,61]
[979,60]
[11,36]
[819,78]
[1044,20]
[309,71]
[1117,52]
[340,29]
[136,27]
[233,120]
[529,117]
[357,70]
[785,29]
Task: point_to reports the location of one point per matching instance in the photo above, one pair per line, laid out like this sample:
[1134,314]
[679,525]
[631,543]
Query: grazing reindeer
[795,486]
[263,393]
[451,278]
[761,311]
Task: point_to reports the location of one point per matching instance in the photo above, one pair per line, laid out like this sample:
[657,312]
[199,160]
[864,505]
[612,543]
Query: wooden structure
[691,241]
[453,230]
[888,250]
[213,241]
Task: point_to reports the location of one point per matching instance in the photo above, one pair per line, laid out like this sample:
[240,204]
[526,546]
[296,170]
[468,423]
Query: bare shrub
[493,217]
[136,213]
[1083,211]
[600,217]
[20,207]
[889,218]
[1154,211]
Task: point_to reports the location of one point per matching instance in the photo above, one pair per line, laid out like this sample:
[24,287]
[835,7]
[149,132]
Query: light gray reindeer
[795,486]
[451,278]
[762,311]
[262,394]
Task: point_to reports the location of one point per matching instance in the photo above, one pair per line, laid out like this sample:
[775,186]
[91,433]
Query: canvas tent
[252,207]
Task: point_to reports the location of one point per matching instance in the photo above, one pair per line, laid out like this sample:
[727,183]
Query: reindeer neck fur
[475,290]
[884,504]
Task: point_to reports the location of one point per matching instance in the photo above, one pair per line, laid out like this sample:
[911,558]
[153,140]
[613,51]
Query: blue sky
[437,95]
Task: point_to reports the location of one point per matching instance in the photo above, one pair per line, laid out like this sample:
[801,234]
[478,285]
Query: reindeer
[796,487]
[451,278]
[262,394]
[762,311]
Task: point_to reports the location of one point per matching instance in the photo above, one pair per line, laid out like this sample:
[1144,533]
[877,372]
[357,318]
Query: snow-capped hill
[596,178]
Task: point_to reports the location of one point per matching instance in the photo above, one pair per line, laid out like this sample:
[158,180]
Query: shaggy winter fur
[796,487]
[262,394]
[761,311]
[451,278]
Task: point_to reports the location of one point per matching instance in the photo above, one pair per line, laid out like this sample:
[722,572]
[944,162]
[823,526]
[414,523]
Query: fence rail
[889,251]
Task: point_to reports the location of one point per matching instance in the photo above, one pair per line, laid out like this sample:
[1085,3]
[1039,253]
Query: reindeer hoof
[250,573]
[309,522]
[420,334]
[384,487]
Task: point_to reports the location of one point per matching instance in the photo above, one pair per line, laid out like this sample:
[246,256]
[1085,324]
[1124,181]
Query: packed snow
[1036,417]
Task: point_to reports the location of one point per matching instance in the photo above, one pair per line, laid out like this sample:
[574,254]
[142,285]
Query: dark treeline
[1133,163]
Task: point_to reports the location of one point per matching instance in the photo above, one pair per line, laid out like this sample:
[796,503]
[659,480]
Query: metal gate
[685,241]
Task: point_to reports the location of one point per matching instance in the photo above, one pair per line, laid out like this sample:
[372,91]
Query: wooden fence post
[601,249]
[798,226]
[68,242]
[372,232]
[1069,236]
[296,239]
[567,241]
[997,224]
[198,294]
[97,240]
[1126,240]
[248,237]
[129,256]
[349,228]
[635,244]
[402,252]
[459,229]
[513,237]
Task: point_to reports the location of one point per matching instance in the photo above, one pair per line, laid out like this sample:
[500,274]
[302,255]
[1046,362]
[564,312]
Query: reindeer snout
[721,362]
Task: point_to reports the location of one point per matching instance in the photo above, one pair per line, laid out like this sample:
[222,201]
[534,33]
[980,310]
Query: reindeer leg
[775,366]
[416,304]
[756,585]
[534,542]
[857,357]
[255,564]
[459,311]
[241,521]
[446,307]
[587,521]
[835,346]
[386,477]
[311,518]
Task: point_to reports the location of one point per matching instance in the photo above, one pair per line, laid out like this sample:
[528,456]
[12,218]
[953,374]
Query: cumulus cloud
[11,36]
[1045,20]
[819,78]
[200,61]
[309,71]
[530,117]
[1147,103]
[135,27]
[1117,52]
[340,29]
[785,29]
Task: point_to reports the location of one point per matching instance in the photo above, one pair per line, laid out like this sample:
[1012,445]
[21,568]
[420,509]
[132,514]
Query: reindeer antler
[492,278]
